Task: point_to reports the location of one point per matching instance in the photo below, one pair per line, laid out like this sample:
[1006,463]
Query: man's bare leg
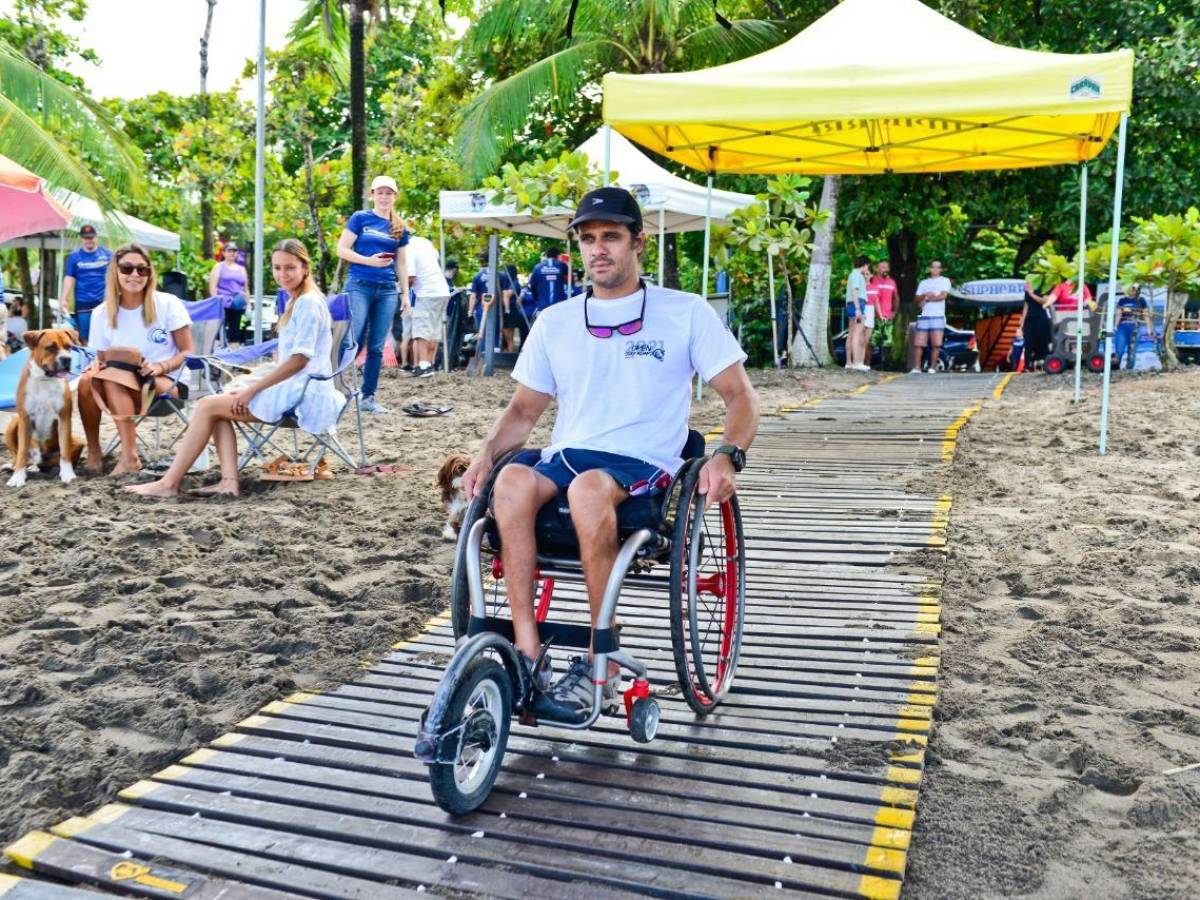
[517,496]
[593,498]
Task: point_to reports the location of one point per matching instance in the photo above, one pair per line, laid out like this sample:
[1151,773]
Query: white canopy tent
[670,204]
[87,212]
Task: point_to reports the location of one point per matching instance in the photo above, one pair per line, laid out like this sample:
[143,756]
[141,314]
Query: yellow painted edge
[876,888]
[912,724]
[923,687]
[925,699]
[915,712]
[138,789]
[1002,385]
[254,721]
[274,708]
[927,661]
[72,827]
[927,628]
[901,775]
[884,859]
[24,850]
[927,616]
[912,757]
[892,838]
[923,671]
[203,755]
[227,740]
[109,813]
[7,883]
[172,773]
[431,622]
[900,813]
[860,390]
[931,606]
[935,541]
[299,697]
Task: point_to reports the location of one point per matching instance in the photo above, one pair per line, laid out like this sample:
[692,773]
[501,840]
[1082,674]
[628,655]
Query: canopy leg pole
[1079,286]
[704,271]
[570,268]
[1111,312]
[607,152]
[259,142]
[445,330]
[662,226]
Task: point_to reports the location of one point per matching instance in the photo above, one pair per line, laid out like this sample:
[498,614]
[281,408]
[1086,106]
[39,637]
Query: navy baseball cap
[608,204]
[87,231]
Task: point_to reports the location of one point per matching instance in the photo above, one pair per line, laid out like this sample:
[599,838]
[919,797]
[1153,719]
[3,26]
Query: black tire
[459,787]
[644,717]
[706,640]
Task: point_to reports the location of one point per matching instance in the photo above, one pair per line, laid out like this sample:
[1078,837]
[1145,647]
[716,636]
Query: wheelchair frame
[466,715]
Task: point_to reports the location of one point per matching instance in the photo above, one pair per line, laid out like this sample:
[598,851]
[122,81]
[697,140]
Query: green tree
[563,46]
[1165,252]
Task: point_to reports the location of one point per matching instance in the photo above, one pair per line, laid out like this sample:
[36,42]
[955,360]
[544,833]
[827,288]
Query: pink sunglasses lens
[630,327]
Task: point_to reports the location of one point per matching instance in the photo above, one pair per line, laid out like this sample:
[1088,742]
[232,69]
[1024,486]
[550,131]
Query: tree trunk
[1176,301]
[358,105]
[671,262]
[29,298]
[314,215]
[206,211]
[902,254]
[811,344]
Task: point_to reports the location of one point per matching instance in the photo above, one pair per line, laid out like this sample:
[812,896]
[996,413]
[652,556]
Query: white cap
[386,181]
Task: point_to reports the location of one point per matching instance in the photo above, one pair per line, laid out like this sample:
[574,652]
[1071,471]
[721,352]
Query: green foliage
[1166,253]
[541,184]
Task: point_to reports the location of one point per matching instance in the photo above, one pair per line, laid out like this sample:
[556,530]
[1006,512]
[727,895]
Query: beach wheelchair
[464,731]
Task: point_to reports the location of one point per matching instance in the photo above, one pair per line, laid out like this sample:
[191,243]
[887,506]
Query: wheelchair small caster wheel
[643,719]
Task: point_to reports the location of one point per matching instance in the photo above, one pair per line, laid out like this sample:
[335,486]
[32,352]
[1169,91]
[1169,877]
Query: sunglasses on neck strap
[633,326]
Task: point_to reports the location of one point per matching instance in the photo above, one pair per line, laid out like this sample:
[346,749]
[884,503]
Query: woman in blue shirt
[373,244]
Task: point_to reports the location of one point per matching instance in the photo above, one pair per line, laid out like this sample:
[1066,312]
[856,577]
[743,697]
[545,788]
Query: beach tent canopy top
[27,207]
[87,212]
[878,86]
[681,202]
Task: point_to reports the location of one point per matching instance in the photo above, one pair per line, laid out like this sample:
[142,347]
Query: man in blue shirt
[482,284]
[1132,312]
[548,281]
[84,278]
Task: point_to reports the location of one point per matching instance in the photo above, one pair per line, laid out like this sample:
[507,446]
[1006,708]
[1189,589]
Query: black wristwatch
[736,455]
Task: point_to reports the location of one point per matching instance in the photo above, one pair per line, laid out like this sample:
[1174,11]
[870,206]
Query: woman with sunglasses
[135,317]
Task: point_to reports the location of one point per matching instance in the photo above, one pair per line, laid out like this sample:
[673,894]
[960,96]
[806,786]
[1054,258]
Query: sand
[1070,651]
[133,631]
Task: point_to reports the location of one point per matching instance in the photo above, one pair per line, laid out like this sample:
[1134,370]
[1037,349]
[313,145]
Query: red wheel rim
[732,595]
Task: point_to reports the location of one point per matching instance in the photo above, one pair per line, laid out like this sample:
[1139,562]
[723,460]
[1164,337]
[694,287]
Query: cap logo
[596,201]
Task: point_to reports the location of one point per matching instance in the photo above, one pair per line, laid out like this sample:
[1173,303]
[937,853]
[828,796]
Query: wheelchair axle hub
[712,584]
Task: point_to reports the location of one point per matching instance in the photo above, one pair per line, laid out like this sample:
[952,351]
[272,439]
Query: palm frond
[502,21]
[716,44]
[327,16]
[488,124]
[46,121]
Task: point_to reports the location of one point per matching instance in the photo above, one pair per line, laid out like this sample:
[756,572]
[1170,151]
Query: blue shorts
[931,323]
[634,475]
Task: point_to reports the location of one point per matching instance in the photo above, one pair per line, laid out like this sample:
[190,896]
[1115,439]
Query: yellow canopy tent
[881,86]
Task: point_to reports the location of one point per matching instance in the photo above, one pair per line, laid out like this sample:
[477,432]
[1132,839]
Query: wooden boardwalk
[803,784]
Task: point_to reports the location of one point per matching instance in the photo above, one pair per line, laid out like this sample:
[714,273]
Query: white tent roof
[680,202]
[87,212]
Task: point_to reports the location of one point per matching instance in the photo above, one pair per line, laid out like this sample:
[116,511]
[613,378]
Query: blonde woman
[305,350]
[140,337]
[373,243]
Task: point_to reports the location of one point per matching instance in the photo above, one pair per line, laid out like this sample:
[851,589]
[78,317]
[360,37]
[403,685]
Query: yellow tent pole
[1079,285]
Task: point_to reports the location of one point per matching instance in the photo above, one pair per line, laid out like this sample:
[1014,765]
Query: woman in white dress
[141,337]
[305,348]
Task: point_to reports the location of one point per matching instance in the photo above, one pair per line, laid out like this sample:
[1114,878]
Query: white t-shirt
[424,265]
[934,286]
[155,341]
[626,394]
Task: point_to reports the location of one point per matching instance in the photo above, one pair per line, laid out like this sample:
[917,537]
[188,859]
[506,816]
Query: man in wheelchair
[619,361]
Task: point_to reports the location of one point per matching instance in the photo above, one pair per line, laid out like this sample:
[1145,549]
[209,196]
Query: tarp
[10,377]
[87,212]
[25,206]
[878,86]
[680,201]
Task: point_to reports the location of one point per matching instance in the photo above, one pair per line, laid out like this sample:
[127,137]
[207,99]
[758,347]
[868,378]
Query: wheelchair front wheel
[708,595]
[481,710]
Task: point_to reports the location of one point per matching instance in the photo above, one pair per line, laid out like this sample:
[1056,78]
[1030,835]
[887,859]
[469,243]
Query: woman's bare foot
[127,467]
[226,487]
[154,489]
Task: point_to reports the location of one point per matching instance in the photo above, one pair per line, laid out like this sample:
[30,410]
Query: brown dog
[40,433]
[449,481]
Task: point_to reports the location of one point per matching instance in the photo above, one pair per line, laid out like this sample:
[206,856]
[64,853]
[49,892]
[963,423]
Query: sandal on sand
[425,411]
[283,469]
[323,473]
[386,469]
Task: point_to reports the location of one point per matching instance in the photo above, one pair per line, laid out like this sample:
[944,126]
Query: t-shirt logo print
[655,349]
[158,336]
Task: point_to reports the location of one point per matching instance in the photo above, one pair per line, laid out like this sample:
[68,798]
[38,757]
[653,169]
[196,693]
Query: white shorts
[427,318]
[868,316]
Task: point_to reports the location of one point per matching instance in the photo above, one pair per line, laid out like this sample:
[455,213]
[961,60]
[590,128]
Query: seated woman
[305,348]
[151,332]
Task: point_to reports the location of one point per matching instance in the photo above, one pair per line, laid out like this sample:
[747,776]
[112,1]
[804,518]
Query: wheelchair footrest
[559,633]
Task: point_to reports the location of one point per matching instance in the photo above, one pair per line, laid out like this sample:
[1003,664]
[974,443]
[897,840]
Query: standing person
[430,296]
[548,281]
[228,281]
[482,284]
[931,318]
[1066,298]
[84,278]
[619,361]
[1035,326]
[374,242]
[299,383]
[882,293]
[856,312]
[1132,312]
[152,333]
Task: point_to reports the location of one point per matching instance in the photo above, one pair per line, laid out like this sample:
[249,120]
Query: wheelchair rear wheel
[481,710]
[708,595]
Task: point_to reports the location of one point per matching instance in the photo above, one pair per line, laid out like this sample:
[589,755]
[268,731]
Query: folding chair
[344,350]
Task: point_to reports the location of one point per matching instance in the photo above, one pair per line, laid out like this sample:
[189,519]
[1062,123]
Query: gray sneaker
[571,696]
[371,405]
